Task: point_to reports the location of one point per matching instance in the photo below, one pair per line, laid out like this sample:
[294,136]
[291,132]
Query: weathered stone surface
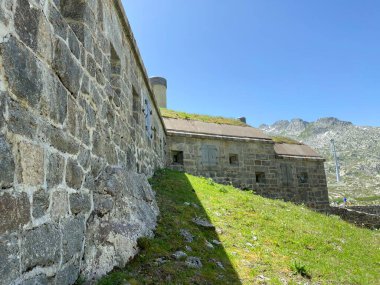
[3,99]
[58,22]
[40,203]
[7,165]
[58,102]
[193,262]
[74,174]
[103,204]
[40,246]
[74,45]
[27,22]
[73,9]
[55,170]
[23,71]
[67,275]
[131,216]
[10,259]
[203,223]
[67,67]
[72,237]
[14,211]
[186,235]
[179,255]
[60,204]
[80,203]
[61,140]
[31,165]
[21,121]
[38,280]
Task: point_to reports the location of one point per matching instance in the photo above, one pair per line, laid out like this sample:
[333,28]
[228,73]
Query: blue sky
[264,59]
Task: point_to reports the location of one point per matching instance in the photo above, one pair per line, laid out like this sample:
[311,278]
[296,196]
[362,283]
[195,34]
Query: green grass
[203,118]
[262,240]
[280,139]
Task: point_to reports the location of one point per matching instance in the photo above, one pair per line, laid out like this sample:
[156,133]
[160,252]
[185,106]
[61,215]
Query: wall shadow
[177,231]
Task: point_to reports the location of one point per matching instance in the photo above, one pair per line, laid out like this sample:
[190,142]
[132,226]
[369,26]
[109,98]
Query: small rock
[262,278]
[195,205]
[255,238]
[216,242]
[193,262]
[159,261]
[187,204]
[187,235]
[179,255]
[203,223]
[249,244]
[188,248]
[209,245]
[220,265]
[219,231]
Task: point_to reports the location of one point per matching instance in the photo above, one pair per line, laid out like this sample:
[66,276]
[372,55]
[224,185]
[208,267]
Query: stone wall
[370,209]
[79,135]
[257,167]
[360,219]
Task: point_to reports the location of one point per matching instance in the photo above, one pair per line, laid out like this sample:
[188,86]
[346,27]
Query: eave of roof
[296,150]
[177,126]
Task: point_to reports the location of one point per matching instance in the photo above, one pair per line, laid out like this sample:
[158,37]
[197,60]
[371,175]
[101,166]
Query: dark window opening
[303,178]
[136,106]
[177,157]
[260,177]
[115,71]
[234,160]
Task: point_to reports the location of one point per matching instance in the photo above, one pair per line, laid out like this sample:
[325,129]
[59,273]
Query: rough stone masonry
[80,133]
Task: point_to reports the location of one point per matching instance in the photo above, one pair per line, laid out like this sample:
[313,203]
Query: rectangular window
[234,159]
[260,177]
[286,175]
[209,155]
[177,157]
[115,71]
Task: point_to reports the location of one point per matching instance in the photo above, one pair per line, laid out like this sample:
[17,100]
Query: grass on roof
[279,139]
[203,118]
[255,240]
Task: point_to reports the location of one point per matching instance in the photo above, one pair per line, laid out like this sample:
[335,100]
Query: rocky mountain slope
[358,148]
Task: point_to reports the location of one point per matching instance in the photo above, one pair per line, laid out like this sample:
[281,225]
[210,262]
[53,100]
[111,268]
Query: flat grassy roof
[166,113]
[280,139]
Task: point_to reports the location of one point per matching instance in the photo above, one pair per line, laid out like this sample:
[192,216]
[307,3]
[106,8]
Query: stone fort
[81,131]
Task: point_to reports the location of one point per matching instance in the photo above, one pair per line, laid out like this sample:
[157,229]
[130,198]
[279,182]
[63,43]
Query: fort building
[81,131]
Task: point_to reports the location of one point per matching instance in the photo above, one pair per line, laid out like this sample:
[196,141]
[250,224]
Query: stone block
[67,275]
[80,203]
[30,169]
[61,140]
[40,203]
[103,204]
[10,259]
[60,204]
[58,22]
[55,169]
[91,65]
[72,238]
[74,45]
[67,67]
[23,72]
[74,174]
[14,211]
[40,247]
[26,22]
[73,9]
[21,121]
[7,165]
[58,103]
[3,100]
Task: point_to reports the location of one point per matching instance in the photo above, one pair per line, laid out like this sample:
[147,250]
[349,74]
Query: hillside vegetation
[166,113]
[252,240]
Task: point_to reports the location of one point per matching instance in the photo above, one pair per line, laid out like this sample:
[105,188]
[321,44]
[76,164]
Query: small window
[260,177]
[115,70]
[136,106]
[177,157]
[303,178]
[234,159]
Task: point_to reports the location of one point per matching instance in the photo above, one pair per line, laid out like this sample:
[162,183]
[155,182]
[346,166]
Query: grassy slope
[281,139]
[259,237]
[203,118]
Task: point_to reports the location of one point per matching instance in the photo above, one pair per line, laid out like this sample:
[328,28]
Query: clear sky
[264,59]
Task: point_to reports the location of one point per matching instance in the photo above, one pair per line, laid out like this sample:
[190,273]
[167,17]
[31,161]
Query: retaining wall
[79,135]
